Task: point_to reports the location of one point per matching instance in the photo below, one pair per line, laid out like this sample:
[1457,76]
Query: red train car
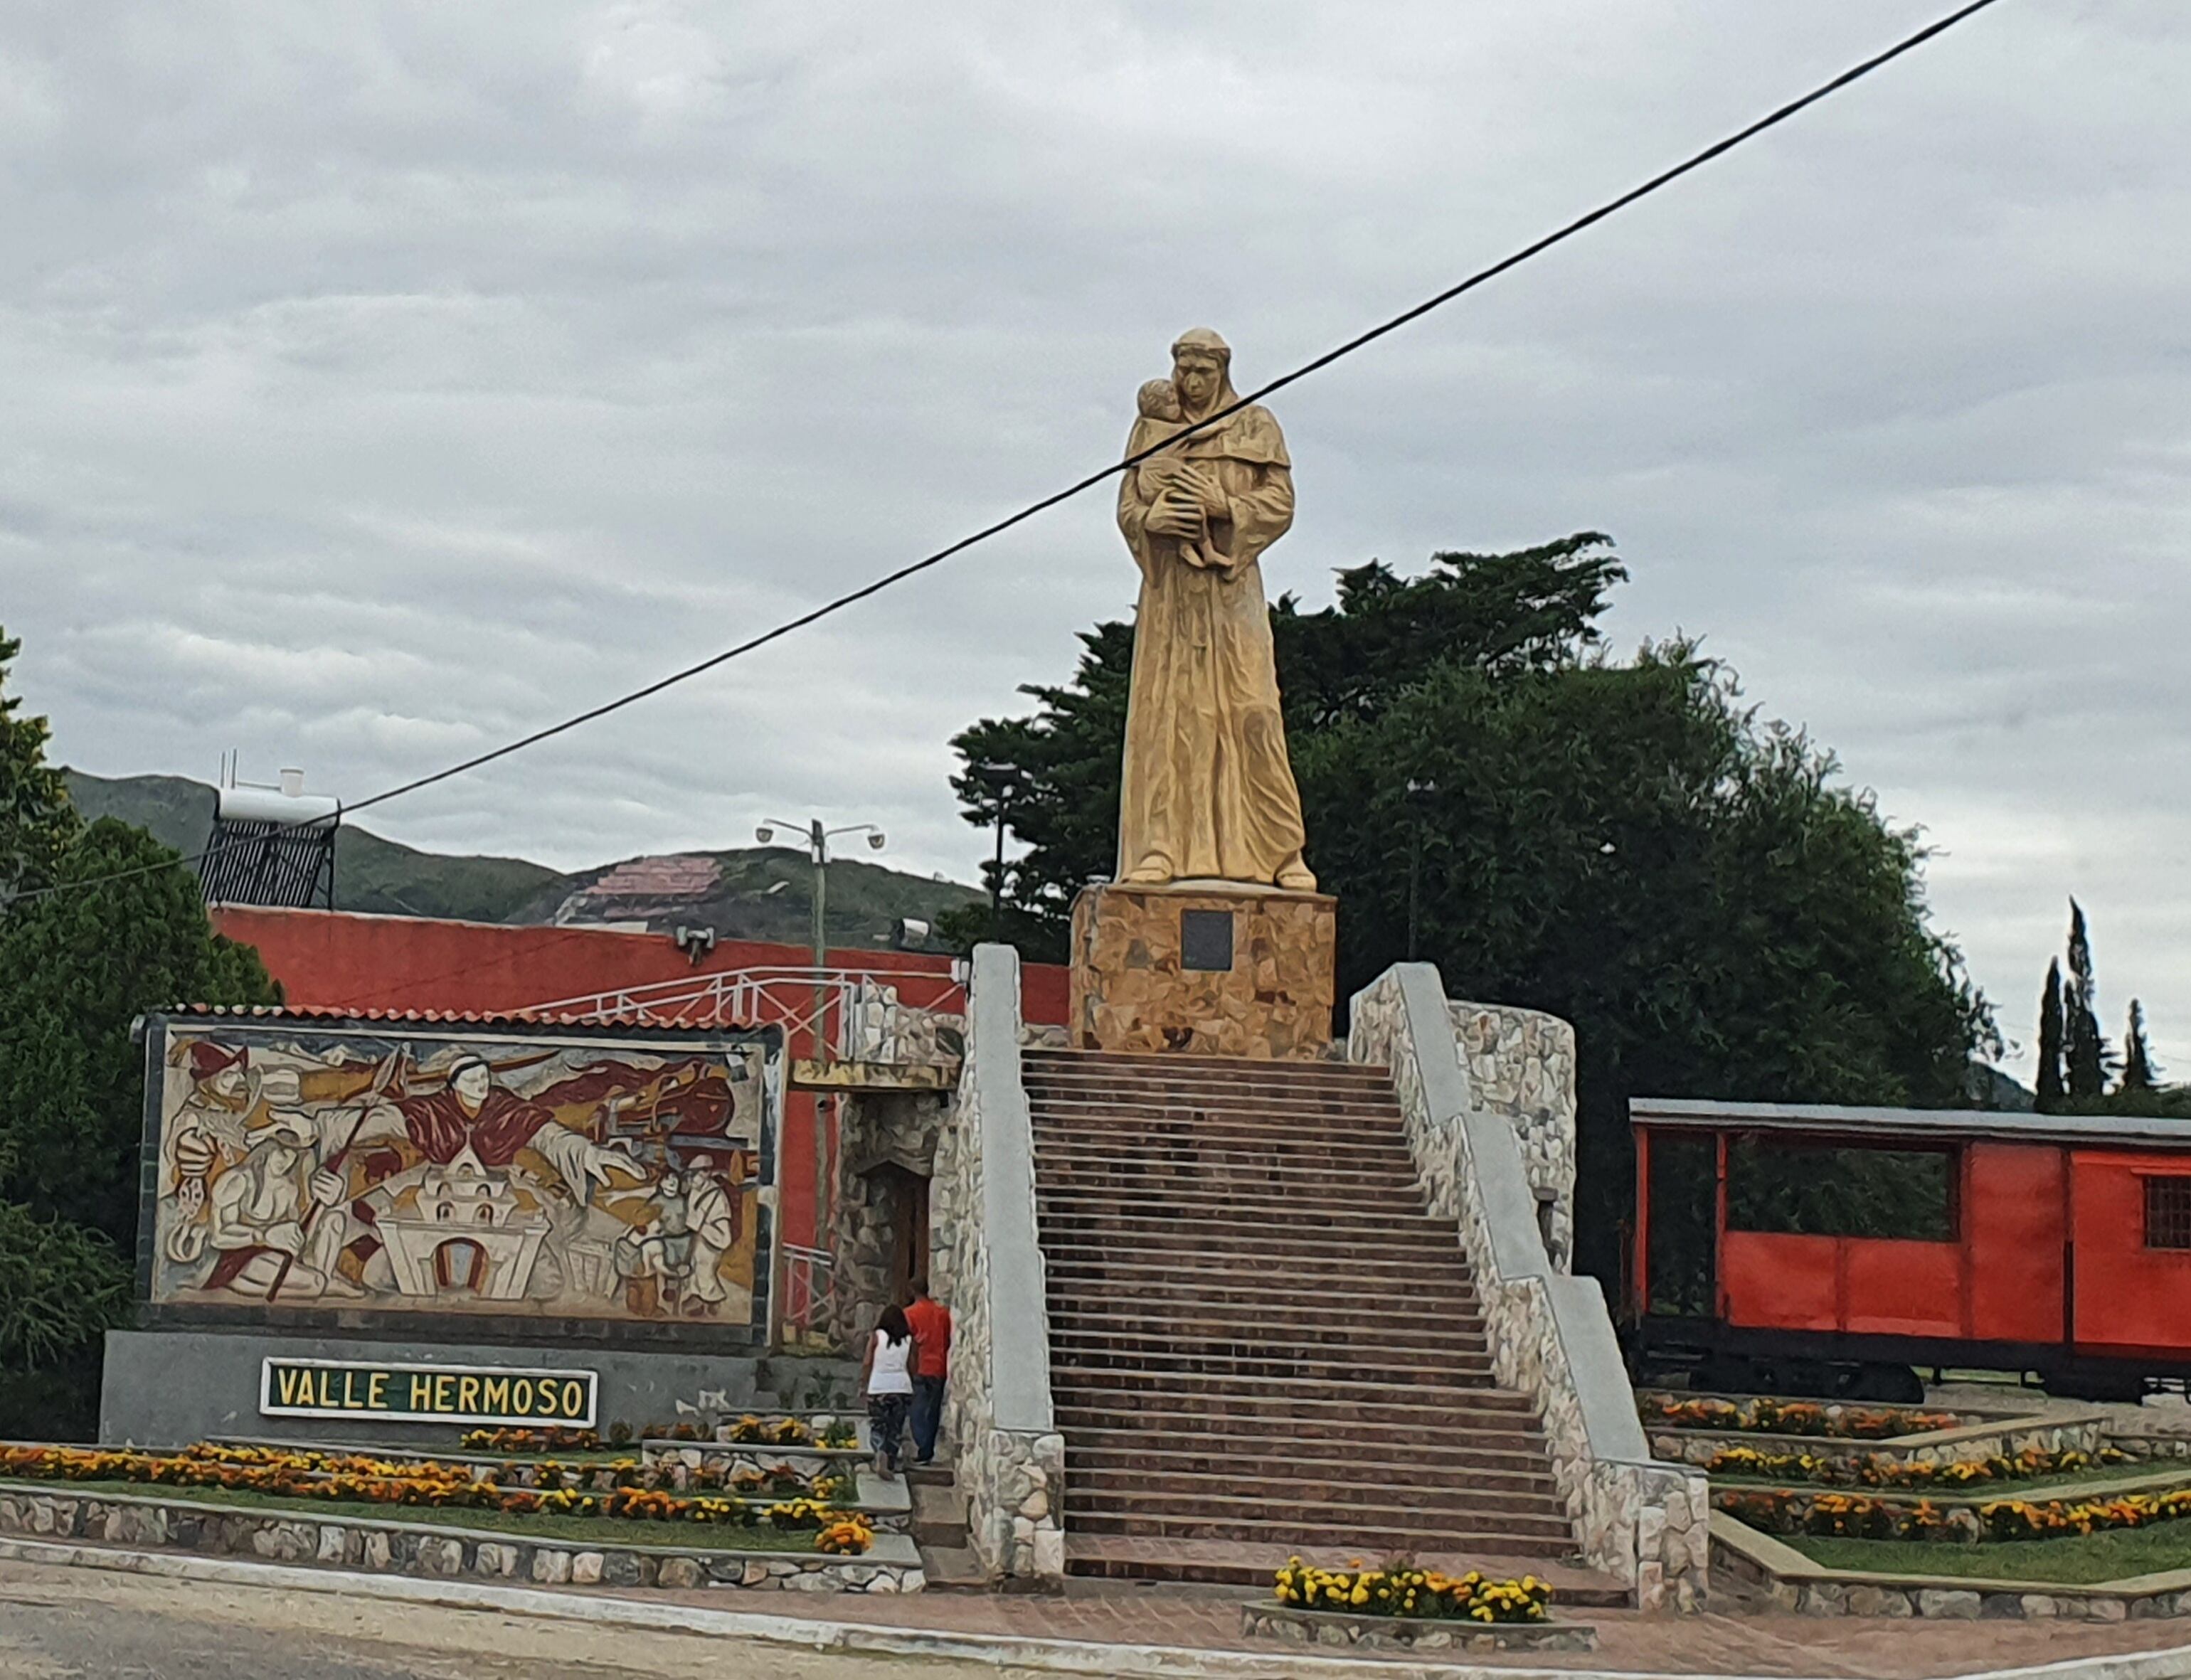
[1833,1250]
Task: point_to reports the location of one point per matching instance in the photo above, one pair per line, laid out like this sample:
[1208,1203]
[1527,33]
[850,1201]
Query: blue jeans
[927,1415]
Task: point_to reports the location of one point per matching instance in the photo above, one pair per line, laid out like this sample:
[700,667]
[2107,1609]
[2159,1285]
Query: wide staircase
[1261,1341]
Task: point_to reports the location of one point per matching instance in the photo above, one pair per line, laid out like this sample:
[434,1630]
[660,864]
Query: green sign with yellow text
[335,1388]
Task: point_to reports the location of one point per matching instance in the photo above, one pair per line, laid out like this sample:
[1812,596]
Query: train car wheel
[1886,1384]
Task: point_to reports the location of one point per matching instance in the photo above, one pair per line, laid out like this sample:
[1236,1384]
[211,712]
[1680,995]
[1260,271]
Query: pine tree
[2050,1041]
[2085,1054]
[36,823]
[2137,1073]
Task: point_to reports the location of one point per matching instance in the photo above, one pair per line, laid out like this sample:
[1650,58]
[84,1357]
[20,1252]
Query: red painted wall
[1865,1284]
[2000,1280]
[2014,1202]
[334,959]
[2129,1297]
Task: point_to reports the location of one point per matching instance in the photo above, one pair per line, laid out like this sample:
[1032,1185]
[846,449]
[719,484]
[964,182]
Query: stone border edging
[1797,1582]
[1052,1655]
[396,1546]
[2084,1432]
[1412,1633]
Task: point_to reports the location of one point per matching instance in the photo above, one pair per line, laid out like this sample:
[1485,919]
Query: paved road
[56,1624]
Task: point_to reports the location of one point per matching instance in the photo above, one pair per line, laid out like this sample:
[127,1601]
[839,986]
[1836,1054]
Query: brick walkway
[1209,1619]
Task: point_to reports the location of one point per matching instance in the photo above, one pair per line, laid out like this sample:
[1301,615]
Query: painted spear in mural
[383,1077]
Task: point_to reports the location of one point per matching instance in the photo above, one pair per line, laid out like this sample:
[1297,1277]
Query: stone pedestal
[1202,968]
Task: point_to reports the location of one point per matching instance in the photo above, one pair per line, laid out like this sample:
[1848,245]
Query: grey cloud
[390,380]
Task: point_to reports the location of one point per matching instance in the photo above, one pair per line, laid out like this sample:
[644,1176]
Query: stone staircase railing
[1646,1524]
[987,1265]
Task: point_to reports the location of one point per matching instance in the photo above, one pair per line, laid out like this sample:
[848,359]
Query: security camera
[875,840]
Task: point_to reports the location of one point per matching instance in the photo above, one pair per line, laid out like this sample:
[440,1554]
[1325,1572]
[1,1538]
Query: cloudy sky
[384,380]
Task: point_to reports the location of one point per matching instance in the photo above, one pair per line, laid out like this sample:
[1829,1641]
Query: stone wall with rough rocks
[886,1149]
[1648,1524]
[878,1025]
[1263,990]
[1520,1063]
[986,1266]
[423,1549]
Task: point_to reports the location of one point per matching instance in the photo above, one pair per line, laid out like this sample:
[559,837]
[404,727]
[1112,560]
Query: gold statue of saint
[1208,794]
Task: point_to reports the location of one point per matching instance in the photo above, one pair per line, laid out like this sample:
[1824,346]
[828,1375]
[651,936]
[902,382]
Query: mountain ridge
[760,893]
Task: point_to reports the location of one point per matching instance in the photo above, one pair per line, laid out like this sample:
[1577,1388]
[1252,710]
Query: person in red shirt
[931,1337]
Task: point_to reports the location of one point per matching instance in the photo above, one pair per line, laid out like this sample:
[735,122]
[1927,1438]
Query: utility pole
[818,853]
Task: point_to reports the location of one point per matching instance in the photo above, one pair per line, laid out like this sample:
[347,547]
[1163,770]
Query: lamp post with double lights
[817,838]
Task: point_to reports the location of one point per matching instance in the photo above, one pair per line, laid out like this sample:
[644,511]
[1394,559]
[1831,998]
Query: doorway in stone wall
[905,1194]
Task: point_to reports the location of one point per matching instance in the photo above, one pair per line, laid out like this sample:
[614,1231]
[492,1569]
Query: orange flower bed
[1766,1415]
[617,1491]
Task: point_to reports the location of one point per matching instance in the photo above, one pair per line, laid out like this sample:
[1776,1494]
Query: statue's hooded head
[1202,369]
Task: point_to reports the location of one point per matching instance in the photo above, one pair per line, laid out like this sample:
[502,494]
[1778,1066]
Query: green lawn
[591,1530]
[2079,1560]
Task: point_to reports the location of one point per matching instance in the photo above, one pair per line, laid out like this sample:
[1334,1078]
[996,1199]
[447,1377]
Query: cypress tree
[2137,1056]
[2084,1052]
[2050,1040]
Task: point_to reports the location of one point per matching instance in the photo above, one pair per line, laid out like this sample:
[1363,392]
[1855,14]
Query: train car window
[2168,1213]
[1827,1190]
[1684,1204]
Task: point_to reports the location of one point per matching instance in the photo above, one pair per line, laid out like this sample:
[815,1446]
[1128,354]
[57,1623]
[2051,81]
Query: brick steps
[1107,1272]
[1260,1338]
[1203,1179]
[1309,1128]
[1098,1398]
[1198,1181]
[1352,1487]
[1324,1481]
[1266,1241]
[1496,1447]
[1251,1564]
[1215,1365]
[1133,1063]
[1339,1210]
[1369,1533]
[1305,1127]
[1211,1321]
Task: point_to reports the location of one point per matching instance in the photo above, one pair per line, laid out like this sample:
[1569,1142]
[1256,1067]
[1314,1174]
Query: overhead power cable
[1612,207]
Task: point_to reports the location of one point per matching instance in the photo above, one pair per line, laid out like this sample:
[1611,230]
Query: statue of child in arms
[1166,474]
[1208,792]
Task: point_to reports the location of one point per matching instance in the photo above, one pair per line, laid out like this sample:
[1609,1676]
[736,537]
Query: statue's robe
[1208,791]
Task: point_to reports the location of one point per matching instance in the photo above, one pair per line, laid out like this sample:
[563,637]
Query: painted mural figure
[558,1179]
[271,1218]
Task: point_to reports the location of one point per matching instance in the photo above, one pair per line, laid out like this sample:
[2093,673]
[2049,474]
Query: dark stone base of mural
[170,1388]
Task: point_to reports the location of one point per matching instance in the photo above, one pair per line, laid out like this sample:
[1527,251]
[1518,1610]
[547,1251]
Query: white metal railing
[809,1289]
[830,1003]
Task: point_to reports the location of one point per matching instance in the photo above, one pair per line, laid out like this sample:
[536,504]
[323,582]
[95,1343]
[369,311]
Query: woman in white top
[888,1371]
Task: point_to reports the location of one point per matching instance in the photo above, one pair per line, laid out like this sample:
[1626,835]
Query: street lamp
[1000,781]
[1419,795]
[817,840]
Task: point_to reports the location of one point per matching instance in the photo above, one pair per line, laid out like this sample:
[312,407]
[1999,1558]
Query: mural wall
[555,1176]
